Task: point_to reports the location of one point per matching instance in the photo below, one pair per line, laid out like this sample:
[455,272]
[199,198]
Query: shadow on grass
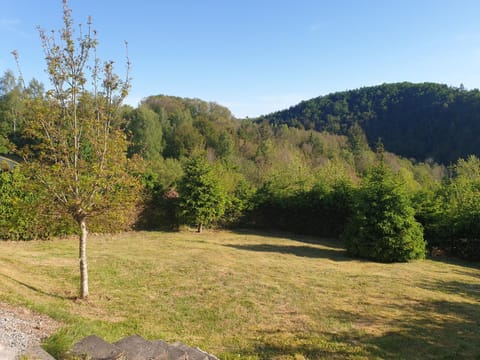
[455,288]
[308,239]
[40,291]
[474,265]
[434,330]
[329,348]
[404,328]
[302,251]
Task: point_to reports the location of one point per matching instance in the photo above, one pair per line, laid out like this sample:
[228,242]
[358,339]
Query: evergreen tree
[202,199]
[383,227]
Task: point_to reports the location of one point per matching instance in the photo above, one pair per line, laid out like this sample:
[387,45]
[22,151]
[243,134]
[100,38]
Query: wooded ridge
[420,121]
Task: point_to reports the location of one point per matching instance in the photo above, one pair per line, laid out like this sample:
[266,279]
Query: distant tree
[79,154]
[11,105]
[202,199]
[469,169]
[358,143]
[225,145]
[383,227]
[461,209]
[147,134]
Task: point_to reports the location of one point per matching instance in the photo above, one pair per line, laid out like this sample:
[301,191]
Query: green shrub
[459,220]
[25,212]
[322,210]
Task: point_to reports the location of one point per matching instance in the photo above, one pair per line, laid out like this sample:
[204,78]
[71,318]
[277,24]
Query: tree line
[244,173]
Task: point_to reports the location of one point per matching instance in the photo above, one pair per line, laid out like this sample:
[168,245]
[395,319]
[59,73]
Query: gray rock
[96,348]
[35,352]
[173,353]
[193,353]
[137,348]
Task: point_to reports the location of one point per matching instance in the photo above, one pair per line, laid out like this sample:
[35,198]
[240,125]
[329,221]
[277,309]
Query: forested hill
[418,121]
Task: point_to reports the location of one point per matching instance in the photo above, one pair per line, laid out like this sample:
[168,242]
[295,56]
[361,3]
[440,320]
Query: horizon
[256,58]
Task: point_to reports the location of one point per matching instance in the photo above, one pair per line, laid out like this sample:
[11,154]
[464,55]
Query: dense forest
[419,121]
[320,171]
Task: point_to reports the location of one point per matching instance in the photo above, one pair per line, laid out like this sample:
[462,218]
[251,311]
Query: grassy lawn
[249,296]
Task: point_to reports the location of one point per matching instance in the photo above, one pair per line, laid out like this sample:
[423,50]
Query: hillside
[421,121]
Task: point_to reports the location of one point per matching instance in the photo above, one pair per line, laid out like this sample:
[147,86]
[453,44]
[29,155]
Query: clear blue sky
[258,56]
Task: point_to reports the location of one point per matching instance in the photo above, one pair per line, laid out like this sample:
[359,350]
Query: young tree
[383,227]
[77,152]
[202,199]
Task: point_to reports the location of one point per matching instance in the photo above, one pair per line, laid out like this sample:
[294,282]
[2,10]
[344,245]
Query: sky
[260,56]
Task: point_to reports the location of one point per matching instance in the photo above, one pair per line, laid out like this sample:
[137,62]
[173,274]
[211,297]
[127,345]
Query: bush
[25,212]
[457,224]
[383,227]
[321,211]
[160,209]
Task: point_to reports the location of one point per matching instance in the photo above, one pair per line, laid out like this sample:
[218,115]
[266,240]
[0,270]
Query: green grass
[246,295]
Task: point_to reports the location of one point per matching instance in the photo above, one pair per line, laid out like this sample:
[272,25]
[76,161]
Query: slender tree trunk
[83,259]
[200,227]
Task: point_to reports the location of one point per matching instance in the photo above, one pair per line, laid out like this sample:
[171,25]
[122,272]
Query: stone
[173,353]
[137,348]
[193,353]
[35,352]
[95,348]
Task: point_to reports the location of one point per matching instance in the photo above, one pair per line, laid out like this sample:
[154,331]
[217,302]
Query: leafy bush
[457,222]
[25,212]
[322,210]
[237,204]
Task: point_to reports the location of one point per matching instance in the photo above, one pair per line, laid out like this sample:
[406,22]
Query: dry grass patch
[247,295]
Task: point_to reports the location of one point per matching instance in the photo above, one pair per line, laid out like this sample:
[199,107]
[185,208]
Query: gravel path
[20,328]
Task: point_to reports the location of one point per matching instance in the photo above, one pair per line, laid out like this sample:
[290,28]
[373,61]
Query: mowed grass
[242,295]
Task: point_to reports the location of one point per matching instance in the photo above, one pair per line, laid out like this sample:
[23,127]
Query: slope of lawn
[249,296]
